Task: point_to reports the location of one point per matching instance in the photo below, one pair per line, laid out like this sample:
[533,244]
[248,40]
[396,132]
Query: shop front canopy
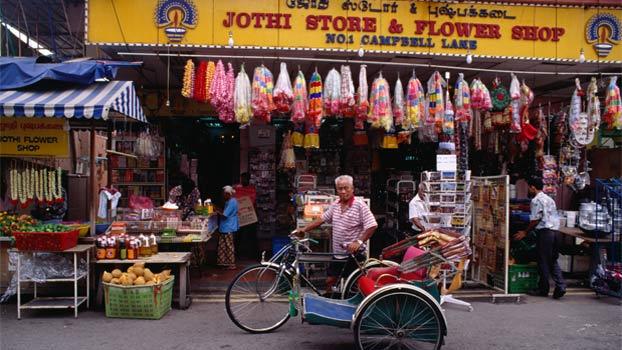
[94,101]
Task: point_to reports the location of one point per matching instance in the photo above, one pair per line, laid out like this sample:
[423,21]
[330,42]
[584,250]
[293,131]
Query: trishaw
[387,305]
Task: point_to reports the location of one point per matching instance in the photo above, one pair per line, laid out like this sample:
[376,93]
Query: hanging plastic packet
[261,98]
[515,95]
[332,93]
[242,98]
[593,107]
[380,114]
[415,104]
[363,101]
[347,103]
[448,117]
[283,92]
[300,103]
[613,105]
[398,103]
[436,105]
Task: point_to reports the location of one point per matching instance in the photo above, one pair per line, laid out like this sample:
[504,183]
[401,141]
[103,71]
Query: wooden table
[58,302]
[182,259]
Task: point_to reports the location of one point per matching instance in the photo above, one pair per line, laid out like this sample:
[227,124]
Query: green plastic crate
[522,278]
[148,302]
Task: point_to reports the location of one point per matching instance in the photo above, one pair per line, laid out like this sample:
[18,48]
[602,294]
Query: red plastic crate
[46,241]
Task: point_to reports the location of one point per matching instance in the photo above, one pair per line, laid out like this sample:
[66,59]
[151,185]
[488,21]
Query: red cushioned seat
[380,276]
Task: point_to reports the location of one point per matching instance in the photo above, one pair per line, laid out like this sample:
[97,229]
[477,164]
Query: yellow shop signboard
[33,137]
[397,27]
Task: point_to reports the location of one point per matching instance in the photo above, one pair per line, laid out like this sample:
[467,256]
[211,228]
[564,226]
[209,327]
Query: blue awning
[91,101]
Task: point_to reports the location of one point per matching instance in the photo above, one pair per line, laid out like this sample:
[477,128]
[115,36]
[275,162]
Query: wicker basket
[147,302]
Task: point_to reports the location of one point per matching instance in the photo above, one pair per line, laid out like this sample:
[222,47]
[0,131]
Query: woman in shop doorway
[185,194]
[228,227]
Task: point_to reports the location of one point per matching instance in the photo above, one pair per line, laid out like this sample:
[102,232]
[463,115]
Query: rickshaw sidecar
[400,315]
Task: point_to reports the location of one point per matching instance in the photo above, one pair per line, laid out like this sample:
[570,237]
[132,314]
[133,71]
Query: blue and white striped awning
[91,101]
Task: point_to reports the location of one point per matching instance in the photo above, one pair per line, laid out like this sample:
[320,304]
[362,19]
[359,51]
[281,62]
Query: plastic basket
[46,241]
[146,302]
[522,278]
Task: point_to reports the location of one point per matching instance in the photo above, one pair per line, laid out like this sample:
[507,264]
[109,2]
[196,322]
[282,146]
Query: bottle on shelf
[145,247]
[111,248]
[101,248]
[122,248]
[132,250]
[153,244]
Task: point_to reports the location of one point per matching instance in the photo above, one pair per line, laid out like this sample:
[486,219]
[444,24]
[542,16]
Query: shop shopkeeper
[185,195]
[228,227]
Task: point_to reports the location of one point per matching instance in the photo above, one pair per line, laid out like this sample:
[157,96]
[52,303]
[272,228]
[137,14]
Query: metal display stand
[56,302]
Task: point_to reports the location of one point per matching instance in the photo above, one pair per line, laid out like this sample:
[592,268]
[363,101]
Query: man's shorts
[344,267]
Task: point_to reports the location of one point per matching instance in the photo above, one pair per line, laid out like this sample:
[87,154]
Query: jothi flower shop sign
[33,137]
[491,29]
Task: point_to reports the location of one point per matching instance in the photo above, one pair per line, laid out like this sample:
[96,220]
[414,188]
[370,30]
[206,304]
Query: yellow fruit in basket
[150,283]
[125,281]
[130,269]
[139,264]
[148,275]
[166,272]
[139,271]
[132,275]
[107,277]
[116,273]
[115,281]
[139,281]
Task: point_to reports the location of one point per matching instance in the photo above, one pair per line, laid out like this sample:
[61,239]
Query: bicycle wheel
[256,301]
[351,287]
[399,319]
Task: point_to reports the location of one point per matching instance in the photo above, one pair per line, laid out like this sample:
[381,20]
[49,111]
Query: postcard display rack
[491,216]
[263,176]
[448,199]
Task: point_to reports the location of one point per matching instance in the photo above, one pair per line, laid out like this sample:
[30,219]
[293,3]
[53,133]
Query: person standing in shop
[227,228]
[353,224]
[545,220]
[417,211]
[185,194]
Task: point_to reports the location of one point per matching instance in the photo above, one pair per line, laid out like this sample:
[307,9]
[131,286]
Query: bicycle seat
[380,276]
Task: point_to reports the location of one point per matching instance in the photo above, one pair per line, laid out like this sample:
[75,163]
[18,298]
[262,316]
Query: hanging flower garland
[613,105]
[199,91]
[217,86]
[363,103]
[380,114]
[398,103]
[415,104]
[480,101]
[283,92]
[59,185]
[187,89]
[14,186]
[300,103]
[315,99]
[462,99]
[448,117]
[45,185]
[436,106]
[221,91]
[347,103]
[332,93]
[209,78]
[242,98]
[262,89]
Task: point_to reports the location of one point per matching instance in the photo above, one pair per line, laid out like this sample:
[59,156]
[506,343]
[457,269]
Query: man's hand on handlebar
[299,233]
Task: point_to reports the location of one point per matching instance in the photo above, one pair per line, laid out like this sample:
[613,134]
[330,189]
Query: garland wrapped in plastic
[242,98]
[300,103]
[462,100]
[226,112]
[347,103]
[283,93]
[415,104]
[332,93]
[315,113]
[380,113]
[363,103]
[515,94]
[448,117]
[398,103]
[613,105]
[480,101]
[593,105]
[187,89]
[262,88]
[436,105]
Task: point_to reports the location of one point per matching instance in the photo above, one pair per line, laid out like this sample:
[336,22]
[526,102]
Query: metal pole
[93,184]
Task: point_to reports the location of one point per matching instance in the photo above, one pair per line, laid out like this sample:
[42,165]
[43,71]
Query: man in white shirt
[545,221]
[417,210]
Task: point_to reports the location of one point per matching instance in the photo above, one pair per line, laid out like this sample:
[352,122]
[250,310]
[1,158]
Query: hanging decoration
[613,105]
[242,98]
[593,106]
[283,92]
[347,103]
[528,132]
[218,88]
[332,93]
[209,78]
[541,136]
[262,88]
[415,104]
[462,100]
[187,89]
[480,102]
[581,128]
[515,95]
[398,103]
[300,103]
[315,113]
[448,116]
[436,106]
[199,88]
[225,112]
[380,114]
[363,103]
[288,158]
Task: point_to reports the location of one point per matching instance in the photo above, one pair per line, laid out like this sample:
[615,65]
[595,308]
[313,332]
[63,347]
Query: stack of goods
[136,275]
[125,247]
[550,177]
